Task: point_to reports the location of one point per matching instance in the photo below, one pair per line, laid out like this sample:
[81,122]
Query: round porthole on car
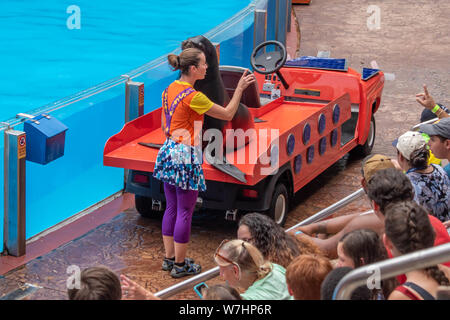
[322,123]
[290,145]
[306,133]
[336,113]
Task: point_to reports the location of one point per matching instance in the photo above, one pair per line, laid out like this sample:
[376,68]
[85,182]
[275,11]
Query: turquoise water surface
[49,51]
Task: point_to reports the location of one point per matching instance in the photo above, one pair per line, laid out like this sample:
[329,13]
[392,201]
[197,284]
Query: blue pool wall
[78,180]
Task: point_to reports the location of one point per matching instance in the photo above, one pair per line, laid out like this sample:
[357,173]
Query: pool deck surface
[411,45]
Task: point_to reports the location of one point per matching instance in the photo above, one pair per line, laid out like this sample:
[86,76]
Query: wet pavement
[412,43]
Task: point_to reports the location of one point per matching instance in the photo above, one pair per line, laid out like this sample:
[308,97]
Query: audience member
[363,247]
[430,182]
[305,275]
[390,186]
[272,241]
[133,291]
[360,247]
[408,229]
[439,139]
[331,281]
[243,266]
[97,283]
[221,292]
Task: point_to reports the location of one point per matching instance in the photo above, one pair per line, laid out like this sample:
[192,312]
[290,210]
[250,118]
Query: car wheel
[279,205]
[365,149]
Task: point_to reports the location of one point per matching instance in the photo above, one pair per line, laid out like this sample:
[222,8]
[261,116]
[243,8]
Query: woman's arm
[227,113]
[131,290]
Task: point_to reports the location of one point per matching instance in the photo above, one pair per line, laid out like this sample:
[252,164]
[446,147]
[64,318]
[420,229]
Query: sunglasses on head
[218,255]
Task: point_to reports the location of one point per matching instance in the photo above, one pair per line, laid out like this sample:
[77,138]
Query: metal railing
[391,268]
[214,272]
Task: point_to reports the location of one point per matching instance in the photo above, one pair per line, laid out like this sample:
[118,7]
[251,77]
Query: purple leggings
[177,218]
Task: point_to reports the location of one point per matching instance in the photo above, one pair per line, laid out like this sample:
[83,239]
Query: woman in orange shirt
[178,163]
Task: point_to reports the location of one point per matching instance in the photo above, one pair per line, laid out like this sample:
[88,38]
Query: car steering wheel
[268,62]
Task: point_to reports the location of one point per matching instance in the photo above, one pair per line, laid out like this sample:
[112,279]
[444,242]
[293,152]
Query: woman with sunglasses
[243,266]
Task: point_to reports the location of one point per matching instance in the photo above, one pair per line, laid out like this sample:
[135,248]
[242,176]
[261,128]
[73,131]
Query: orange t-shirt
[187,119]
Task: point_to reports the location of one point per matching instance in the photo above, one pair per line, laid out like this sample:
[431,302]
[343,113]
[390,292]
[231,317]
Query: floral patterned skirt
[180,165]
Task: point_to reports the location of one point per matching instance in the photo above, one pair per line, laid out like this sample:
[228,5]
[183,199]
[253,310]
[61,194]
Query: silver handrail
[391,268]
[214,272]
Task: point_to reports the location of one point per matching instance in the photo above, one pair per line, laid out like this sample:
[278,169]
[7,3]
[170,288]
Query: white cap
[409,142]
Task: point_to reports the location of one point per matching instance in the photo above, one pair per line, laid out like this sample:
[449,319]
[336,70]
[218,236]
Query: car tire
[279,205]
[144,207]
[365,149]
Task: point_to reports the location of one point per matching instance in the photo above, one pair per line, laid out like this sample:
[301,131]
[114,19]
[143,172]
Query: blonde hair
[248,257]
[187,58]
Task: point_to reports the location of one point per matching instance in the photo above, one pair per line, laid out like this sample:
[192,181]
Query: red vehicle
[319,108]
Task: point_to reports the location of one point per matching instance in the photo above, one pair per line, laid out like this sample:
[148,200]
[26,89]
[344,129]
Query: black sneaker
[188,269]
[167,264]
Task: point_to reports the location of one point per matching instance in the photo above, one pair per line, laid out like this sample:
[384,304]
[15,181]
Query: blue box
[45,138]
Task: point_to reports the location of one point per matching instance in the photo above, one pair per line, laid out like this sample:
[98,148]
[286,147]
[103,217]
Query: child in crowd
[360,247]
[97,283]
[305,275]
[363,247]
[408,229]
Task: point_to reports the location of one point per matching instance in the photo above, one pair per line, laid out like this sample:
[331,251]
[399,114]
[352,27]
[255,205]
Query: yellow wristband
[435,109]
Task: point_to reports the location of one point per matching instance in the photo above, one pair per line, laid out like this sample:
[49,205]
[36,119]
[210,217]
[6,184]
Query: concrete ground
[412,44]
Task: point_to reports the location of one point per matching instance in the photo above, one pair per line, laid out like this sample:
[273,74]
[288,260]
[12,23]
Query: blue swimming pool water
[43,60]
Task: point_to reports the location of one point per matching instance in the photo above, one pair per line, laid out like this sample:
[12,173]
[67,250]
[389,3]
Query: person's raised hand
[425,99]
[133,291]
[246,80]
